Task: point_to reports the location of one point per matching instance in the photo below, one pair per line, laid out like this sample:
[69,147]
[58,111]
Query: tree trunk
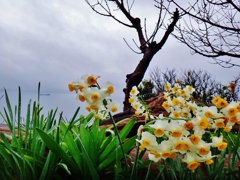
[149,50]
[136,77]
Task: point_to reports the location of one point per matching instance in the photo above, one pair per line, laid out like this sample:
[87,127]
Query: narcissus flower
[159,126]
[192,161]
[148,140]
[113,106]
[90,79]
[218,142]
[134,91]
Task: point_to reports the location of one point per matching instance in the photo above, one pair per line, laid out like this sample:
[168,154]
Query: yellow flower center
[91,80]
[155,153]
[210,161]
[179,146]
[166,154]
[110,89]
[158,132]
[114,109]
[222,146]
[176,133]
[194,139]
[203,123]
[193,165]
[166,87]
[94,107]
[88,108]
[70,87]
[176,114]
[185,114]
[232,111]
[95,97]
[145,142]
[226,129]
[203,151]
[176,102]
[81,97]
[173,155]
[165,105]
[133,91]
[233,119]
[130,100]
[221,103]
[208,114]
[188,125]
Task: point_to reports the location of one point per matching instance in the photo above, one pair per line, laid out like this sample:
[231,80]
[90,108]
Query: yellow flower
[221,103]
[158,132]
[220,123]
[95,97]
[71,87]
[188,125]
[232,111]
[94,107]
[159,126]
[148,140]
[233,119]
[193,165]
[218,142]
[155,153]
[176,102]
[191,159]
[165,105]
[203,123]
[210,161]
[215,100]
[175,114]
[110,88]
[176,133]
[194,139]
[134,91]
[88,108]
[112,106]
[81,97]
[167,86]
[203,151]
[90,79]
[222,145]
[166,154]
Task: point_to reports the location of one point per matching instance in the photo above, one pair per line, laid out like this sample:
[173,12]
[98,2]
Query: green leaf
[116,154]
[123,134]
[53,146]
[72,146]
[91,167]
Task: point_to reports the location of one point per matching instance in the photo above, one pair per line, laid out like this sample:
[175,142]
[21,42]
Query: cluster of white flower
[96,98]
[137,104]
[185,129]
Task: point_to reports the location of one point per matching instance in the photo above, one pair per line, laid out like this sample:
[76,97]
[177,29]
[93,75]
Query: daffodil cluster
[186,130]
[96,98]
[137,104]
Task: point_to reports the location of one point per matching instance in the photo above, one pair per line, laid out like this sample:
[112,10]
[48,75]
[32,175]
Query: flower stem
[118,137]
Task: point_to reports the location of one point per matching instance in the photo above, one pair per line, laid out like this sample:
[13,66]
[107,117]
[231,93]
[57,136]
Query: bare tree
[210,28]
[148,45]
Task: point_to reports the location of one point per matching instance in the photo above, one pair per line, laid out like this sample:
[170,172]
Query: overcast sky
[56,42]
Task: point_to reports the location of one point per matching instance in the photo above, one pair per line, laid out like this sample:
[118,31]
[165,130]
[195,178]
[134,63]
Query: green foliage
[46,148]
[146,89]
[22,153]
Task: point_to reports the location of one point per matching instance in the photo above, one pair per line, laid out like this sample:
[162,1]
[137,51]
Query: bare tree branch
[210,28]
